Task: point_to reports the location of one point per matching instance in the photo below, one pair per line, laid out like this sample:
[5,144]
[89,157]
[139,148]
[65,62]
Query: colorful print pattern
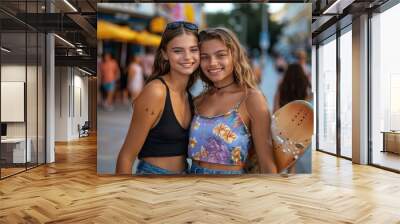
[221,139]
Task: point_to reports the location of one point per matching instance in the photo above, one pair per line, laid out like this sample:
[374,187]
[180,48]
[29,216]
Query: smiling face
[216,61]
[182,52]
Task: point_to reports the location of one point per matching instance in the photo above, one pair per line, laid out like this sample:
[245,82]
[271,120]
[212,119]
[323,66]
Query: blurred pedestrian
[147,62]
[123,88]
[158,133]
[301,56]
[231,116]
[110,72]
[280,64]
[135,77]
[295,86]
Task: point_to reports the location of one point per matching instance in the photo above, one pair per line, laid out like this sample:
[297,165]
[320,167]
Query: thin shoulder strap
[241,100]
[163,81]
[168,103]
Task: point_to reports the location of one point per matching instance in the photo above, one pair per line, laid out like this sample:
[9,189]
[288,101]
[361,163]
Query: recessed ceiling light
[86,72]
[71,6]
[337,7]
[64,40]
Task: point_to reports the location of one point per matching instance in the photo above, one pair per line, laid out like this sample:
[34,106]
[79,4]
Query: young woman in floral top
[231,116]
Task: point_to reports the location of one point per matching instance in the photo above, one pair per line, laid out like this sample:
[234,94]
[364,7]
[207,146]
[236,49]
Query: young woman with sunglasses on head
[231,116]
[158,133]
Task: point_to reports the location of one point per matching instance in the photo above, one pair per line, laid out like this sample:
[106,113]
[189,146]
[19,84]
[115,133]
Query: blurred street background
[274,35]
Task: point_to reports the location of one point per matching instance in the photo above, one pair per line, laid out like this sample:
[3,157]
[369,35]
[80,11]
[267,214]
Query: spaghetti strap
[190,98]
[163,81]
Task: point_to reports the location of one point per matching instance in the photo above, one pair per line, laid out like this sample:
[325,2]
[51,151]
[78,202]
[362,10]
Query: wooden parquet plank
[70,191]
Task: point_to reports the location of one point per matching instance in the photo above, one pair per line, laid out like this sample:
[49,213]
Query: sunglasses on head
[177,24]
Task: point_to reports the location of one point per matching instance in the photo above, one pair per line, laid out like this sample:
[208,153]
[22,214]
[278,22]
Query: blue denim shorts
[147,168]
[196,169]
[109,86]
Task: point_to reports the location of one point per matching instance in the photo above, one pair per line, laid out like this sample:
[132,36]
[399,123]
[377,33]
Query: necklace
[219,88]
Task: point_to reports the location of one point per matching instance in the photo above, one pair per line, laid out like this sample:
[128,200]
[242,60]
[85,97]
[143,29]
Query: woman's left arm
[260,122]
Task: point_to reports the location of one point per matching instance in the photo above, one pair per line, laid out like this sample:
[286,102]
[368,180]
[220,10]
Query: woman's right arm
[148,107]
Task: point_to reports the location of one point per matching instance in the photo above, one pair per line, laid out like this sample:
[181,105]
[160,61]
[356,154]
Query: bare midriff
[171,163]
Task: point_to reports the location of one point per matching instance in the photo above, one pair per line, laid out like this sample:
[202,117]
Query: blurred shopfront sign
[191,12]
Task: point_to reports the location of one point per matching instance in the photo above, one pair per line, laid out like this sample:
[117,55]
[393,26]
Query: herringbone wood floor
[70,191]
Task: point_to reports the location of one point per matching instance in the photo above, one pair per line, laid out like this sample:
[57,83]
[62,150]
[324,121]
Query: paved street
[112,128]
[270,81]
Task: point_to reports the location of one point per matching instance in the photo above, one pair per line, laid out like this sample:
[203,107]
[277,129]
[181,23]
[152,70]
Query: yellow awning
[148,39]
[107,30]
[110,31]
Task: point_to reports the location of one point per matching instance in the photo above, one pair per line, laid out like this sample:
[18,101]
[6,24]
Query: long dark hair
[161,66]
[294,86]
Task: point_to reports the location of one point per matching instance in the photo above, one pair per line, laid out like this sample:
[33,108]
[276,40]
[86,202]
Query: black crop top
[167,138]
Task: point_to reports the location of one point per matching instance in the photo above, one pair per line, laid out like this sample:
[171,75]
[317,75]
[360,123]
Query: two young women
[218,129]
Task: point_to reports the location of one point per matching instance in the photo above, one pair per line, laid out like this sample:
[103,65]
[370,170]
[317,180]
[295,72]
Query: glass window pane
[346,94]
[41,98]
[22,63]
[31,97]
[14,151]
[385,89]
[327,97]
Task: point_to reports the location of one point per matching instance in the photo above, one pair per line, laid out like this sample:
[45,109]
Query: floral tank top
[222,139]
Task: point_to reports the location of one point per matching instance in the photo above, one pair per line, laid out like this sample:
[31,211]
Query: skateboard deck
[291,130]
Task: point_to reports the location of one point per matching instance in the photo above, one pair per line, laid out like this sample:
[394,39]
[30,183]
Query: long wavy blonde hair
[162,66]
[242,71]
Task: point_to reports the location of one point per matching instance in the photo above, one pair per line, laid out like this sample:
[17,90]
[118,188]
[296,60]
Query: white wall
[34,124]
[71,93]
[12,73]
[81,83]
[61,103]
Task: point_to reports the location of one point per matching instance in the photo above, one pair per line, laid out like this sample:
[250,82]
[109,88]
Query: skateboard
[291,130]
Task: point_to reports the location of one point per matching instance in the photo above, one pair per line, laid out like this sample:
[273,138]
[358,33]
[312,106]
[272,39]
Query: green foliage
[251,33]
